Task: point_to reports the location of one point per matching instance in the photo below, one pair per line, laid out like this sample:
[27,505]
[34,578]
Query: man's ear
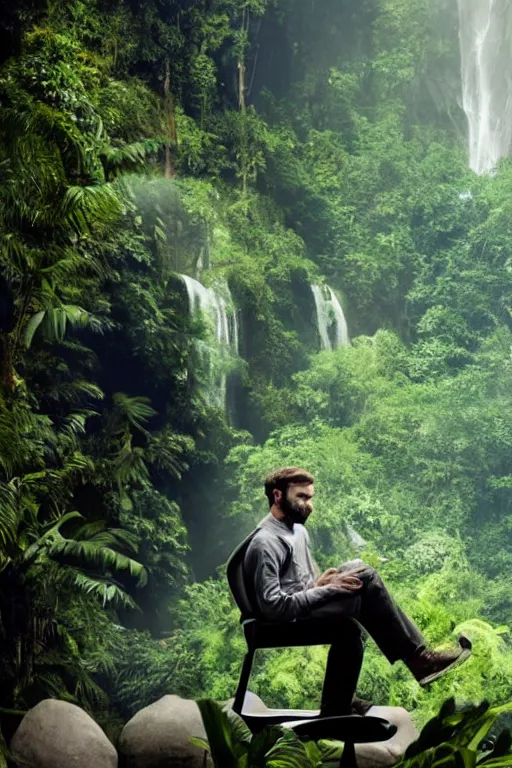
[278,495]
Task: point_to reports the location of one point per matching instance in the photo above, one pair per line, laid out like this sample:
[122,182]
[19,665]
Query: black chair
[351,729]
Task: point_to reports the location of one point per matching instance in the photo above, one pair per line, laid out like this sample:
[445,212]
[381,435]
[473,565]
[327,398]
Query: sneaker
[428,665]
[358,707]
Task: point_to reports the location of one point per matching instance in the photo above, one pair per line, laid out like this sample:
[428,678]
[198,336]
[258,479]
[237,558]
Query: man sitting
[283,585]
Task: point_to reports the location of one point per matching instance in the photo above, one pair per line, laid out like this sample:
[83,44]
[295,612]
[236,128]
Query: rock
[158,736]
[252,705]
[384,753]
[57,734]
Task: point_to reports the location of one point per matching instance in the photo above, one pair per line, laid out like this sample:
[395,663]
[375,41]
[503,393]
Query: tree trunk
[242,71]
[169,170]
[7,374]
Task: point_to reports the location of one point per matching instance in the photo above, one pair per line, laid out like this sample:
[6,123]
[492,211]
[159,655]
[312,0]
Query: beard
[294,511]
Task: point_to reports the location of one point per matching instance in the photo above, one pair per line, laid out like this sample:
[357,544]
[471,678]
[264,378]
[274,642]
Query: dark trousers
[373,608]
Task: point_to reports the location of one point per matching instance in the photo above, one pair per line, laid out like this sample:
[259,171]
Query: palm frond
[98,532]
[48,534]
[8,515]
[67,263]
[101,589]
[166,450]
[129,157]
[129,465]
[136,410]
[54,320]
[86,208]
[75,423]
[14,255]
[76,464]
[74,392]
[93,545]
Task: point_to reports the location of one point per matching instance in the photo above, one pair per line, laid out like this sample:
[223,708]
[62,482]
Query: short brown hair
[284,477]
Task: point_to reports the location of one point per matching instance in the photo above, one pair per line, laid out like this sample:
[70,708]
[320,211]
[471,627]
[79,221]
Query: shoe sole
[465,644]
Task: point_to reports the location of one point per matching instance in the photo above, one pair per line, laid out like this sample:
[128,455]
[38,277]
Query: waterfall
[332,326]
[220,314]
[486,69]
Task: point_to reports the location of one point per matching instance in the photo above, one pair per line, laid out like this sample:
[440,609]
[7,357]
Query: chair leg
[348,758]
[244,681]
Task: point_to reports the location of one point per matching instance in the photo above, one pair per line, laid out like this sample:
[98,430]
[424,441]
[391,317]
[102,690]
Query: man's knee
[351,632]
[371,579]
[361,566]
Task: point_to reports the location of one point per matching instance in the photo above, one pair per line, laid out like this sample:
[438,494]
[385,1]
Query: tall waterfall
[219,312]
[332,326]
[485,36]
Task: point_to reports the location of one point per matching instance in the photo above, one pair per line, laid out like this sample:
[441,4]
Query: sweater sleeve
[263,563]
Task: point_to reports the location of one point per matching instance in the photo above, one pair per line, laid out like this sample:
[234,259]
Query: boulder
[57,734]
[384,753]
[159,736]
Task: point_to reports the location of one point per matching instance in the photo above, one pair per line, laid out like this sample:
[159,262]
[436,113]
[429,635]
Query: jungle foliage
[451,738]
[273,143]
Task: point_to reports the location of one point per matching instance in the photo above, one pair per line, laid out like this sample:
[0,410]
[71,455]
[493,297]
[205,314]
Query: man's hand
[327,577]
[347,581]
[333,578]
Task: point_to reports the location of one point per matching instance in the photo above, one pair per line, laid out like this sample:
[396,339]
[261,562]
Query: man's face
[297,504]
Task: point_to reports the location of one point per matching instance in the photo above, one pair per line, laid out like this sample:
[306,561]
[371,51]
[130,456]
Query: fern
[136,410]
[104,590]
[75,392]
[87,207]
[128,157]
[8,516]
[94,552]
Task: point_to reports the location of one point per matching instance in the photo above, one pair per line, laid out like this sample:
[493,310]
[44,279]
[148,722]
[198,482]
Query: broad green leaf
[261,744]
[219,734]
[32,326]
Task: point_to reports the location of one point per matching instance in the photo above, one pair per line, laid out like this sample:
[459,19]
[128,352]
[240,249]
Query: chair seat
[266,634]
[310,725]
[354,728]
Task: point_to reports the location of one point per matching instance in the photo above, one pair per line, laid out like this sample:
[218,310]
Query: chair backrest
[236,580]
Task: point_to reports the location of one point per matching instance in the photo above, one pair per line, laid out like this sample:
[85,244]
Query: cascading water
[220,313]
[485,36]
[332,326]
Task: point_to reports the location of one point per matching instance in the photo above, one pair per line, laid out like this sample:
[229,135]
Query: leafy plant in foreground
[458,739]
[451,740]
[231,744]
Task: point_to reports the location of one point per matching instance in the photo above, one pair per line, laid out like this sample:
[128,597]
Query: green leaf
[201,743]
[32,326]
[330,751]
[219,733]
[498,762]
[261,744]
[4,751]
[289,752]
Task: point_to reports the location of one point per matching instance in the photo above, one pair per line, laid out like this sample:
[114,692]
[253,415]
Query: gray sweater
[280,572]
